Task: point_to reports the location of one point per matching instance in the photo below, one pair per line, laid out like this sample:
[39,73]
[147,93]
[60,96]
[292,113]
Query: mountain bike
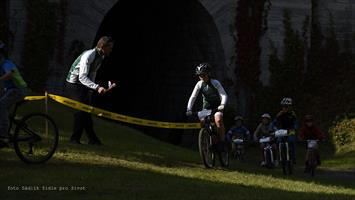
[208,140]
[311,155]
[269,157]
[34,136]
[284,151]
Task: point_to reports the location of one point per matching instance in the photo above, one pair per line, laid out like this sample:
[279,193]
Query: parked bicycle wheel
[205,143]
[36,138]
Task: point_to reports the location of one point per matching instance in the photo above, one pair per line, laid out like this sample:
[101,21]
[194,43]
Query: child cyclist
[265,129]
[238,131]
[309,131]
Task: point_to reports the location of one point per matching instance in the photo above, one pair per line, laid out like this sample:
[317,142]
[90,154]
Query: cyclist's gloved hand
[188,113]
[221,107]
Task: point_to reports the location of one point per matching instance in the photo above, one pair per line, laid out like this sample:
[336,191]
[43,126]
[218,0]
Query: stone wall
[17,23]
[85,16]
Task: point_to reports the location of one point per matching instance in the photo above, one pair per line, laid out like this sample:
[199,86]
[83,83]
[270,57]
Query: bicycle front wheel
[36,138]
[205,147]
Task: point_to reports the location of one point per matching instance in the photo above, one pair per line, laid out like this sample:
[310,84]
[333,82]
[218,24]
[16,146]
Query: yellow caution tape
[34,98]
[114,116]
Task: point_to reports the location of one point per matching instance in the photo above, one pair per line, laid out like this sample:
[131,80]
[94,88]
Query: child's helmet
[286,101]
[266,115]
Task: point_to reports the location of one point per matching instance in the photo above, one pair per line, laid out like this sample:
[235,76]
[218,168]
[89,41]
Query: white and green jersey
[212,92]
[85,67]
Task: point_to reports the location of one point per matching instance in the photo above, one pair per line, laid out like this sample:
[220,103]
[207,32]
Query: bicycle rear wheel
[284,161]
[205,147]
[224,157]
[36,138]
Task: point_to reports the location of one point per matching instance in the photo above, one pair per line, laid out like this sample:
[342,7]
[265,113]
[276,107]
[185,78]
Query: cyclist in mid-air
[214,97]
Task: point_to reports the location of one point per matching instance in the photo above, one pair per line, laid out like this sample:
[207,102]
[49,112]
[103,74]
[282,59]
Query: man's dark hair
[104,41]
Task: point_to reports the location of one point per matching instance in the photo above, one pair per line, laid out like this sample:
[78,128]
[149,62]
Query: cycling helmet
[266,115]
[286,101]
[238,118]
[203,68]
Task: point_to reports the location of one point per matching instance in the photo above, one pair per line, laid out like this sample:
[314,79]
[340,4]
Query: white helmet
[286,101]
[266,115]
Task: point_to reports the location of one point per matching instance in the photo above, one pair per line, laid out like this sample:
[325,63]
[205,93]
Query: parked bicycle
[284,151]
[207,140]
[34,136]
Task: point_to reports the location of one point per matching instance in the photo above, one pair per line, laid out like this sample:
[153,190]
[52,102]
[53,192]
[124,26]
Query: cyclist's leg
[8,99]
[78,128]
[218,117]
[292,145]
[89,129]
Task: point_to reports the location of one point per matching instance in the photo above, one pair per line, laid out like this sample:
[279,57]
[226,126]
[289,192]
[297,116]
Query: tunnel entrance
[157,46]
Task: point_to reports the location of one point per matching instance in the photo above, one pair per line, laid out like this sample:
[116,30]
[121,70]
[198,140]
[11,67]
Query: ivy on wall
[250,24]
[40,40]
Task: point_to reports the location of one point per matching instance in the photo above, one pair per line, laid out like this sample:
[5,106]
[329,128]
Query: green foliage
[343,134]
[319,78]
[40,38]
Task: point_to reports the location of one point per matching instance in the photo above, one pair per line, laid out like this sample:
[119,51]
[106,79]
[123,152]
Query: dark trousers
[82,120]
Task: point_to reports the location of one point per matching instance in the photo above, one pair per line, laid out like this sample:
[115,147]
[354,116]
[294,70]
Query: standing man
[80,84]
[14,91]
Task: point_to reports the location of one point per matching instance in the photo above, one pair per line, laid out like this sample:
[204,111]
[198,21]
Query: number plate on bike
[265,139]
[238,141]
[204,113]
[312,144]
[281,133]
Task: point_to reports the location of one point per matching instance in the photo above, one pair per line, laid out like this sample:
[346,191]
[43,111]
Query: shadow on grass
[108,182]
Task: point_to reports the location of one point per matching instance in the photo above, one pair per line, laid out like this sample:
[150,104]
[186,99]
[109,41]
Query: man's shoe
[95,142]
[263,163]
[3,143]
[75,141]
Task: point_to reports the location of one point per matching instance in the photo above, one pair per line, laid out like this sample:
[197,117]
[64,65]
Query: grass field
[132,165]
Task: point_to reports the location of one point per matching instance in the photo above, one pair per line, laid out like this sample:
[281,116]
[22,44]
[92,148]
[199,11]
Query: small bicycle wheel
[312,162]
[36,138]
[205,148]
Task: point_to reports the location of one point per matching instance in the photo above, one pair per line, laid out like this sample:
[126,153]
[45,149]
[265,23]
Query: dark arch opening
[157,46]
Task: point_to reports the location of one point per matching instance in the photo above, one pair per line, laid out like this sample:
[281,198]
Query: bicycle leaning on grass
[33,136]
